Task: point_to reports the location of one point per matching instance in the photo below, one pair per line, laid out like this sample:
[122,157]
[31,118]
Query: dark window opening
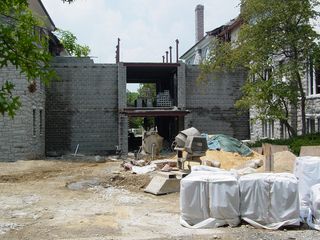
[33,122]
[311,125]
[41,122]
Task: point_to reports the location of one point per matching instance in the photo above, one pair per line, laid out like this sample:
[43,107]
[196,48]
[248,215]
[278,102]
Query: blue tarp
[227,144]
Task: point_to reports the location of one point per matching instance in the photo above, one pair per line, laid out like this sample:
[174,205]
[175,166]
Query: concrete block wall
[212,103]
[82,107]
[181,86]
[122,103]
[21,138]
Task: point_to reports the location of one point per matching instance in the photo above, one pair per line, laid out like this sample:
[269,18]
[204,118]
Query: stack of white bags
[307,170]
[211,197]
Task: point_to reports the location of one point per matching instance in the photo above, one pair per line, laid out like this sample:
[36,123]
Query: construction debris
[160,185]
[144,170]
[211,163]
[162,162]
[166,168]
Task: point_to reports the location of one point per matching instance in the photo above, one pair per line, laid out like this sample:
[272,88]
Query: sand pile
[230,160]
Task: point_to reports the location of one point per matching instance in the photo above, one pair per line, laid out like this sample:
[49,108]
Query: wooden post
[268,157]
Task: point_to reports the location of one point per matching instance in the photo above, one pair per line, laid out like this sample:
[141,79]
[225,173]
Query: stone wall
[21,137]
[82,107]
[212,103]
[312,111]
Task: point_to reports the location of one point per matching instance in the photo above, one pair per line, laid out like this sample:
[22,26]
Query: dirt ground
[78,200]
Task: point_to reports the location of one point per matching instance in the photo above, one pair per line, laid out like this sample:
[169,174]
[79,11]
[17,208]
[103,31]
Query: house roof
[46,12]
[198,43]
[41,12]
[219,31]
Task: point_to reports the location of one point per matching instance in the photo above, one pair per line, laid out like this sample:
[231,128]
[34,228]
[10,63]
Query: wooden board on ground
[310,151]
[269,150]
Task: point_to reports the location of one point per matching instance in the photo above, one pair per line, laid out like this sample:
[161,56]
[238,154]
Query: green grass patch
[294,143]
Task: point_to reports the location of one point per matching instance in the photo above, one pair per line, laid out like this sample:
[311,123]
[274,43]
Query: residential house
[201,49]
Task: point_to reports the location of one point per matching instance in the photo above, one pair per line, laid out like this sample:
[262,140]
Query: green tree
[147,88]
[21,47]
[275,43]
[134,122]
[131,98]
[69,42]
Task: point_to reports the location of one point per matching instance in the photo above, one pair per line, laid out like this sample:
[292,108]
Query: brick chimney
[199,22]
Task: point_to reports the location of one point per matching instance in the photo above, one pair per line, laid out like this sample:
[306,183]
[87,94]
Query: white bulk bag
[209,199]
[269,200]
[206,168]
[307,170]
[314,213]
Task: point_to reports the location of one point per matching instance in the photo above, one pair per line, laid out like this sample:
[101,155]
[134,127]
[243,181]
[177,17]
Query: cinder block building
[88,105]
[24,136]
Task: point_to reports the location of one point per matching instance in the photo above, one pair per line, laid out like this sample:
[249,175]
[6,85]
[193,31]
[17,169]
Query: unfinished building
[88,105]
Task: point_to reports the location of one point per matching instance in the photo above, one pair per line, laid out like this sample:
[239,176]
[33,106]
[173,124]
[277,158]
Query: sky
[146,27]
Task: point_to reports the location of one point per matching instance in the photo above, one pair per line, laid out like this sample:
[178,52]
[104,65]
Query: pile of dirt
[127,180]
[282,162]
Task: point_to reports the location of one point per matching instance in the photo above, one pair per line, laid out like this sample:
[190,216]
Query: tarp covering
[209,199]
[269,200]
[314,212]
[307,170]
[228,144]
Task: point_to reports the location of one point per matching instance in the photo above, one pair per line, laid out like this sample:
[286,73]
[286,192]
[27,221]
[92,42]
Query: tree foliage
[21,45]
[69,42]
[147,89]
[144,90]
[275,43]
[24,44]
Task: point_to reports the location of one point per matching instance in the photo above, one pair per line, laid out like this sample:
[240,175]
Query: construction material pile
[205,200]
[219,151]
[163,99]
[229,160]
[291,198]
[213,197]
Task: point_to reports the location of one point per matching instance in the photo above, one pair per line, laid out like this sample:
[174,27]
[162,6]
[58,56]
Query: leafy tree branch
[275,43]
